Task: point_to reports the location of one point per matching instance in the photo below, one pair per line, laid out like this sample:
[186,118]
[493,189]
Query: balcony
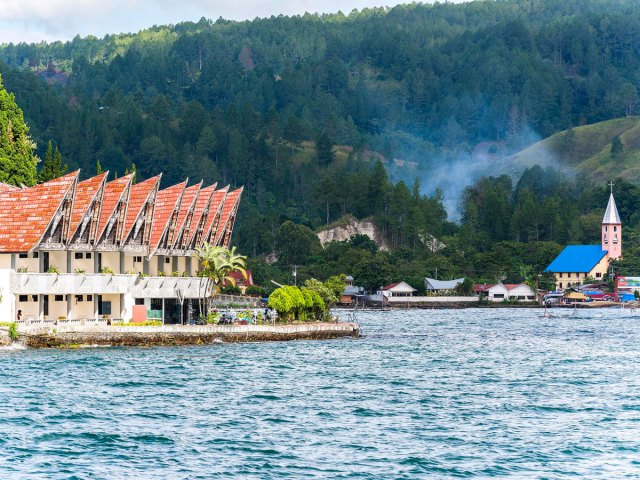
[71,283]
[169,287]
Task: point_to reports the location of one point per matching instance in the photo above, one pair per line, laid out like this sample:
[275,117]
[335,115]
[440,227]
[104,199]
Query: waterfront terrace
[72,250]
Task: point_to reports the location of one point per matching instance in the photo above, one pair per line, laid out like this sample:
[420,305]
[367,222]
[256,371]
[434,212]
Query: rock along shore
[73,336]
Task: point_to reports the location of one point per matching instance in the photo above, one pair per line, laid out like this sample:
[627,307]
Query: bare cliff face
[353,226]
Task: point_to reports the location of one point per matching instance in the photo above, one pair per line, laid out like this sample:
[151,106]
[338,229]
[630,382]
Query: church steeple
[612,229]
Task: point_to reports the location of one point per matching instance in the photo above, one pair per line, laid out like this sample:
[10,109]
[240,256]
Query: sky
[49,20]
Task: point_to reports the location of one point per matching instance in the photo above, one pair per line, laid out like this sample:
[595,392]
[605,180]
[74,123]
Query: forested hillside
[266,103]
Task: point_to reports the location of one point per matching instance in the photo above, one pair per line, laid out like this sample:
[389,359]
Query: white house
[400,289]
[510,291]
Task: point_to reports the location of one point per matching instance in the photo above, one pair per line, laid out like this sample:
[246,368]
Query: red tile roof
[25,214]
[215,209]
[5,187]
[86,193]
[230,208]
[167,201]
[138,197]
[482,287]
[114,191]
[189,199]
[202,206]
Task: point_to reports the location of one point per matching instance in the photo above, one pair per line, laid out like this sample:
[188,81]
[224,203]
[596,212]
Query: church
[577,262]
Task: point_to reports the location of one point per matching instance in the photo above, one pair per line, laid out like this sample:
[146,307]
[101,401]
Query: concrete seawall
[75,335]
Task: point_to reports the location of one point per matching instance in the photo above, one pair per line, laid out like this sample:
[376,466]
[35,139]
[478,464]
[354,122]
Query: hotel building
[92,249]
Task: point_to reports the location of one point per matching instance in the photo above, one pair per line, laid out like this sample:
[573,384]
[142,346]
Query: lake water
[424,394]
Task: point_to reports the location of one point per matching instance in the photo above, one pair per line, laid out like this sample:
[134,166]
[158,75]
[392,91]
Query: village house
[437,286]
[400,289]
[90,249]
[501,292]
[577,262]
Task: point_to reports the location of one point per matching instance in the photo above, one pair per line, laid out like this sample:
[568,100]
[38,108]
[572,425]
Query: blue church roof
[577,258]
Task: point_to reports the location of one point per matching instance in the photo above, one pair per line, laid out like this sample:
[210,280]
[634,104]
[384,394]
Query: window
[598,275]
[35,255]
[137,259]
[560,284]
[167,260]
[78,255]
[615,228]
[139,301]
[87,255]
[498,295]
[59,298]
[34,298]
[23,298]
[89,298]
[521,297]
[104,308]
[23,255]
[78,298]
[560,275]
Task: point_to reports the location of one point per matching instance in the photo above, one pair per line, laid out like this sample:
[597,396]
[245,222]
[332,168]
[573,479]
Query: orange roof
[230,207]
[215,208]
[113,192]
[137,199]
[5,187]
[189,199]
[25,214]
[86,192]
[202,206]
[167,201]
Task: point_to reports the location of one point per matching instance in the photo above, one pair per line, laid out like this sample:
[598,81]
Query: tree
[617,148]
[216,265]
[295,243]
[324,149]
[52,166]
[17,159]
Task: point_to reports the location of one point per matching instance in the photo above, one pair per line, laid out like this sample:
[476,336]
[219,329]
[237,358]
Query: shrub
[107,270]
[13,332]
[53,269]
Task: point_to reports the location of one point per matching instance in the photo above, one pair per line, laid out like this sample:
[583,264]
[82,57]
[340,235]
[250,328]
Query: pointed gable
[27,215]
[185,215]
[86,209]
[140,211]
[227,218]
[165,216]
[199,215]
[114,203]
[213,217]
[611,216]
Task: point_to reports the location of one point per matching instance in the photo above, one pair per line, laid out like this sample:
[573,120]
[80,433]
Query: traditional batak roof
[50,215]
[85,195]
[167,202]
[25,214]
[577,258]
[228,210]
[188,202]
[611,216]
[202,207]
[140,193]
[114,192]
[215,209]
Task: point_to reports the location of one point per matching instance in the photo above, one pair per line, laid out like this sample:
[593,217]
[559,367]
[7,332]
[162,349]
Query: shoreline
[77,336]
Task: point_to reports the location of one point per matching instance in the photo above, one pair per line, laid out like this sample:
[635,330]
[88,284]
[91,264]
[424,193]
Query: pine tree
[52,166]
[17,160]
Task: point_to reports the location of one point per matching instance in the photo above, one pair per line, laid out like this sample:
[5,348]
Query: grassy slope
[588,150]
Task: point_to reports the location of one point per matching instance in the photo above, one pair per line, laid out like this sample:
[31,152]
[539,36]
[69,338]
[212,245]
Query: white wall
[522,291]
[58,259]
[83,309]
[83,263]
[111,260]
[31,264]
[57,309]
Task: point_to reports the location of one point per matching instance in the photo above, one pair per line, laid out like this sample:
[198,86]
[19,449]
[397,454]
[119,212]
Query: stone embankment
[70,336]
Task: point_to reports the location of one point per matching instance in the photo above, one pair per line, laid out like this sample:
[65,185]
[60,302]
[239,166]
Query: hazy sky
[35,20]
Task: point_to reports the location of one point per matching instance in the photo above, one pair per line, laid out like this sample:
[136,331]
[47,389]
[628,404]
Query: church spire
[612,229]
[611,216]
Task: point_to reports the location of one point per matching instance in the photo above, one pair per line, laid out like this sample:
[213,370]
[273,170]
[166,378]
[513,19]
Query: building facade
[73,249]
[577,262]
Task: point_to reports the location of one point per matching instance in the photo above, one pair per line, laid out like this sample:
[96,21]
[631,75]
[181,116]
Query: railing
[71,283]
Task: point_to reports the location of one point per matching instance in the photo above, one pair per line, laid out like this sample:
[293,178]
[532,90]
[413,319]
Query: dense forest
[320,115]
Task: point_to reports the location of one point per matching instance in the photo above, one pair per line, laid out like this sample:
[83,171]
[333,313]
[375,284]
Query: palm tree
[216,266]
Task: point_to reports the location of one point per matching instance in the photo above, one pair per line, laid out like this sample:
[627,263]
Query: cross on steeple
[611,184]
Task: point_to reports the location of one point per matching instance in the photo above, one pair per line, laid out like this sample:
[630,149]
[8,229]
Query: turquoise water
[425,394]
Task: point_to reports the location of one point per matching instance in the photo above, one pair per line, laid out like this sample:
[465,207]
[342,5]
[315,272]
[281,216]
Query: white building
[400,289]
[95,249]
[501,292]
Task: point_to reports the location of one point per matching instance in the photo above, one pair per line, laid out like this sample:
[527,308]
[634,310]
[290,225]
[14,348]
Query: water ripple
[425,394]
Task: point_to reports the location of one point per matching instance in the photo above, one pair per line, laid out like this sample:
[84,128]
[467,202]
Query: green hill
[589,150]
